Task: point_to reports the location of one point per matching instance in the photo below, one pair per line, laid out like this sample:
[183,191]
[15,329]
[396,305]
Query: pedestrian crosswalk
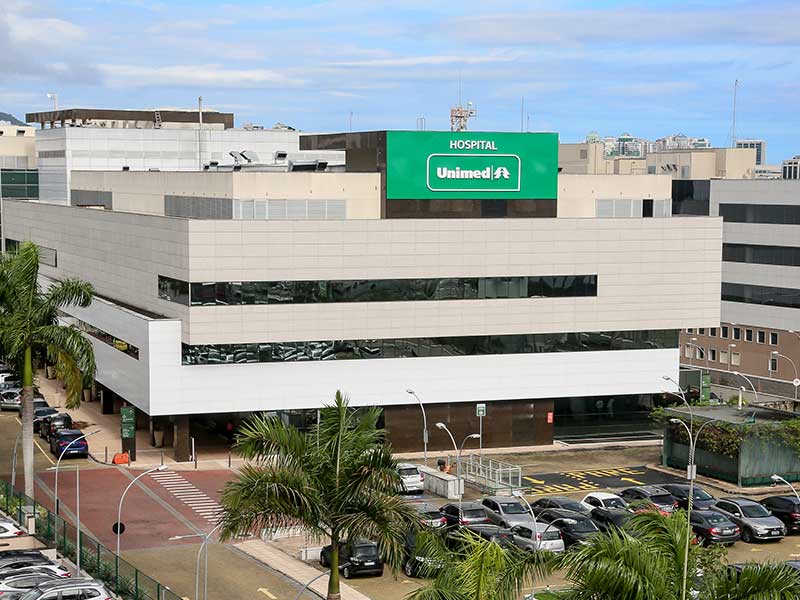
[191,496]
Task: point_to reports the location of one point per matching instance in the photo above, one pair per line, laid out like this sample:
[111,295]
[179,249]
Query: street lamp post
[424,425]
[122,498]
[690,475]
[747,379]
[458,452]
[791,362]
[77,514]
[58,462]
[777,478]
[203,546]
[702,350]
[14,459]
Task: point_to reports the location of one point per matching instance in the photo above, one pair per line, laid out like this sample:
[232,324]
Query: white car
[37,568]
[603,500]
[9,529]
[412,480]
[547,538]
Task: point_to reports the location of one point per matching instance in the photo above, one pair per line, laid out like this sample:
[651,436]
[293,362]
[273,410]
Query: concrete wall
[577,194]
[17,151]
[583,159]
[711,163]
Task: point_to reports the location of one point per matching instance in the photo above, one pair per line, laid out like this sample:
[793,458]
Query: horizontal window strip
[375,290]
[787,256]
[206,354]
[777,214]
[101,335]
[761,294]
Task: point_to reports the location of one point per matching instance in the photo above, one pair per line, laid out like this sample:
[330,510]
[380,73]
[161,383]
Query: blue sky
[650,69]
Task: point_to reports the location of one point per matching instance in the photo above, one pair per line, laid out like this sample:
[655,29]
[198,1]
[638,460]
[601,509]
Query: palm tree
[645,562]
[29,324]
[337,481]
[478,569]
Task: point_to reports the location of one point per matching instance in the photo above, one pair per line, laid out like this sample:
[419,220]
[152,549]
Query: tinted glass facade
[691,197]
[19,183]
[779,214]
[759,294]
[788,256]
[427,347]
[226,293]
[103,336]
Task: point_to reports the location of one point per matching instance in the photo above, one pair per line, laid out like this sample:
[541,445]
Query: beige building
[613,195]
[704,163]
[588,158]
[17,147]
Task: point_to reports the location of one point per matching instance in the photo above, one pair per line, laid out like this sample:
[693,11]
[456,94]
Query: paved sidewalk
[295,568]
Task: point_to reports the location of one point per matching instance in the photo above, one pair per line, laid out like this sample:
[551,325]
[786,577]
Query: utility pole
[733,125]
[199,132]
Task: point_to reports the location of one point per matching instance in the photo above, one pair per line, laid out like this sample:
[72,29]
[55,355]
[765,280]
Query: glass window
[701,331]
[773,364]
[690,330]
[748,335]
[723,357]
[757,294]
[737,333]
[229,293]
[173,290]
[204,294]
[736,359]
[712,332]
[712,355]
[723,332]
[687,352]
[773,338]
[761,337]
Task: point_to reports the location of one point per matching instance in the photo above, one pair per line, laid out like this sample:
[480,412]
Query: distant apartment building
[17,146]
[791,168]
[679,141]
[760,148]
[704,163]
[142,140]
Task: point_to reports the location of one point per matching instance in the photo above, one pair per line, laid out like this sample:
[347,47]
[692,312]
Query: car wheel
[346,572]
[408,568]
[747,536]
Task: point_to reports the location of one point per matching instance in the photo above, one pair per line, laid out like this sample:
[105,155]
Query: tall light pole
[747,379]
[62,455]
[424,425]
[77,468]
[690,475]
[122,498]
[204,545]
[14,460]
[777,478]
[794,366]
[458,459]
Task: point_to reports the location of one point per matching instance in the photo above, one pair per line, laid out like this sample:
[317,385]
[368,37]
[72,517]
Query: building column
[106,401]
[181,438]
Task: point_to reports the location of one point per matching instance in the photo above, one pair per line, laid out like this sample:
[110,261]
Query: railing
[98,561]
[490,474]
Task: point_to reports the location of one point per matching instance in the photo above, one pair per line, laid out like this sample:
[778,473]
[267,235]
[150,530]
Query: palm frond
[757,581]
[264,437]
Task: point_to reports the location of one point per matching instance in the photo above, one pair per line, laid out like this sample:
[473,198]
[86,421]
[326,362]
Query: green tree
[645,562]
[338,481]
[476,569]
[29,325]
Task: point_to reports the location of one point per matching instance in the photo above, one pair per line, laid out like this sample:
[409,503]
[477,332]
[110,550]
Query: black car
[607,519]
[54,424]
[647,497]
[471,513]
[561,502]
[575,527]
[355,558]
[701,499]
[429,514]
[712,527]
[414,563]
[40,413]
[786,508]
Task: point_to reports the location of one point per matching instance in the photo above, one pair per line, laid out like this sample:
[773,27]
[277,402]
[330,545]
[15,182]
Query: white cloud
[48,31]
[419,61]
[188,26]
[210,75]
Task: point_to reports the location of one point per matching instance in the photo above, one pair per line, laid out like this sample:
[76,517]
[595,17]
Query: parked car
[22,559]
[712,527]
[39,402]
[545,538]
[559,502]
[471,513]
[575,527]
[11,399]
[64,442]
[647,497]
[489,532]
[754,520]
[506,511]
[56,423]
[355,558]
[786,508]
[68,589]
[429,514]
[411,479]
[701,499]
[43,567]
[20,583]
[9,529]
[603,500]
[607,519]
[414,564]
[39,415]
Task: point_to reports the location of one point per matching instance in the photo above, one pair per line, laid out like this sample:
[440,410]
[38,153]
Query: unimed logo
[473,172]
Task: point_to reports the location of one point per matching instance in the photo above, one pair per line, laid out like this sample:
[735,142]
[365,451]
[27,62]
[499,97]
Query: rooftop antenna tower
[733,124]
[459,114]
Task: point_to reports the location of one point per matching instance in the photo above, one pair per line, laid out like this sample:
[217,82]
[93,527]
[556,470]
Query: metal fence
[98,561]
[490,474]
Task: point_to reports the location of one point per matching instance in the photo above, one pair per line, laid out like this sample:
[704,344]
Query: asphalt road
[616,478]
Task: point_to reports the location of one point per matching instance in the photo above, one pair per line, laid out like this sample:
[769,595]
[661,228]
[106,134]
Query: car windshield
[513,508]
[367,551]
[662,499]
[583,526]
[701,495]
[473,513]
[716,519]
[615,503]
[576,506]
[408,472]
[754,511]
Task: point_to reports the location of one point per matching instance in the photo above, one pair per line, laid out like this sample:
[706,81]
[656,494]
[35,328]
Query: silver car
[11,399]
[506,511]
[547,538]
[755,521]
[68,588]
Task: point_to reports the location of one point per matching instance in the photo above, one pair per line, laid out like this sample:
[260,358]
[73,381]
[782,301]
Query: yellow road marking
[46,454]
[756,550]
[633,481]
[267,593]
[532,480]
[630,471]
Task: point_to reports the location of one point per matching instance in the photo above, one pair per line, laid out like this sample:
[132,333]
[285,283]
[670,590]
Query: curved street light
[458,451]
[778,479]
[794,366]
[58,463]
[204,545]
[122,498]
[424,425]
[747,379]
